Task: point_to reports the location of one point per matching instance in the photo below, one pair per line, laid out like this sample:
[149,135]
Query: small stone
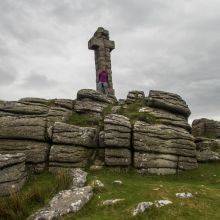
[95,167]
[141,207]
[111,202]
[79,177]
[161,203]
[156,189]
[97,184]
[117,182]
[184,195]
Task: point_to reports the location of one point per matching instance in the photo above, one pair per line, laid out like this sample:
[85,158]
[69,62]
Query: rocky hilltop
[150,133]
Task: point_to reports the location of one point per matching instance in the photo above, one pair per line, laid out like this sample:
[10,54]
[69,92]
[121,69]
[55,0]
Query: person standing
[103,82]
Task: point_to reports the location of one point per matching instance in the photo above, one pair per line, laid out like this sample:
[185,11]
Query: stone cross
[102,47]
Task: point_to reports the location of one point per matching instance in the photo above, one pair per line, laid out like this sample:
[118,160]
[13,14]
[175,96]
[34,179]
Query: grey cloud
[38,81]
[7,76]
[166,45]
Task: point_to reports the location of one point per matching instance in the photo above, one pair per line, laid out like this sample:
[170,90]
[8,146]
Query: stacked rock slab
[12,173]
[92,102]
[166,146]
[207,149]
[72,146]
[24,127]
[135,96]
[27,135]
[163,149]
[116,138]
[206,128]
[207,133]
[168,101]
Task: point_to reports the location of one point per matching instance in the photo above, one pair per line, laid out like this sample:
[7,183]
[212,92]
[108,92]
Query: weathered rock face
[30,128]
[68,156]
[168,101]
[36,152]
[92,102]
[117,156]
[38,127]
[167,118]
[34,100]
[135,96]
[207,149]
[12,173]
[26,108]
[64,103]
[93,95]
[163,149]
[74,135]
[206,128]
[57,114]
[90,107]
[117,140]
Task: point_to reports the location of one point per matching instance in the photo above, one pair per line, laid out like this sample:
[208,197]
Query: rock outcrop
[167,118]
[206,128]
[163,149]
[71,134]
[151,133]
[134,96]
[207,133]
[168,101]
[36,152]
[26,128]
[72,145]
[12,173]
[92,102]
[165,145]
[207,149]
[117,140]
[68,156]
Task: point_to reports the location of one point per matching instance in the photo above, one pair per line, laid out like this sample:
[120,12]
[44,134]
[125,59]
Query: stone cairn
[102,47]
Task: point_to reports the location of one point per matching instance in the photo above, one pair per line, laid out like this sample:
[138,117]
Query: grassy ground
[34,195]
[203,183]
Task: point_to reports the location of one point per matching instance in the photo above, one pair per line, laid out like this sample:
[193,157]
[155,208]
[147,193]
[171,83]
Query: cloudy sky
[164,45]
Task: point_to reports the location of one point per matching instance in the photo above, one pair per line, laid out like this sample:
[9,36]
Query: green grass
[132,112]
[83,120]
[203,183]
[210,135]
[35,194]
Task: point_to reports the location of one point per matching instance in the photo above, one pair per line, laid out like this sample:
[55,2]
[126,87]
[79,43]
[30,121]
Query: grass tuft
[35,194]
[132,112]
[83,120]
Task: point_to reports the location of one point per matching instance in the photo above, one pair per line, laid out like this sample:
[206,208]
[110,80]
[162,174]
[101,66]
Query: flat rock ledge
[67,201]
[12,173]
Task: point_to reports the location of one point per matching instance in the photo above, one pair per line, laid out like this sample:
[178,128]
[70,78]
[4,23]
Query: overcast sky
[165,45]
